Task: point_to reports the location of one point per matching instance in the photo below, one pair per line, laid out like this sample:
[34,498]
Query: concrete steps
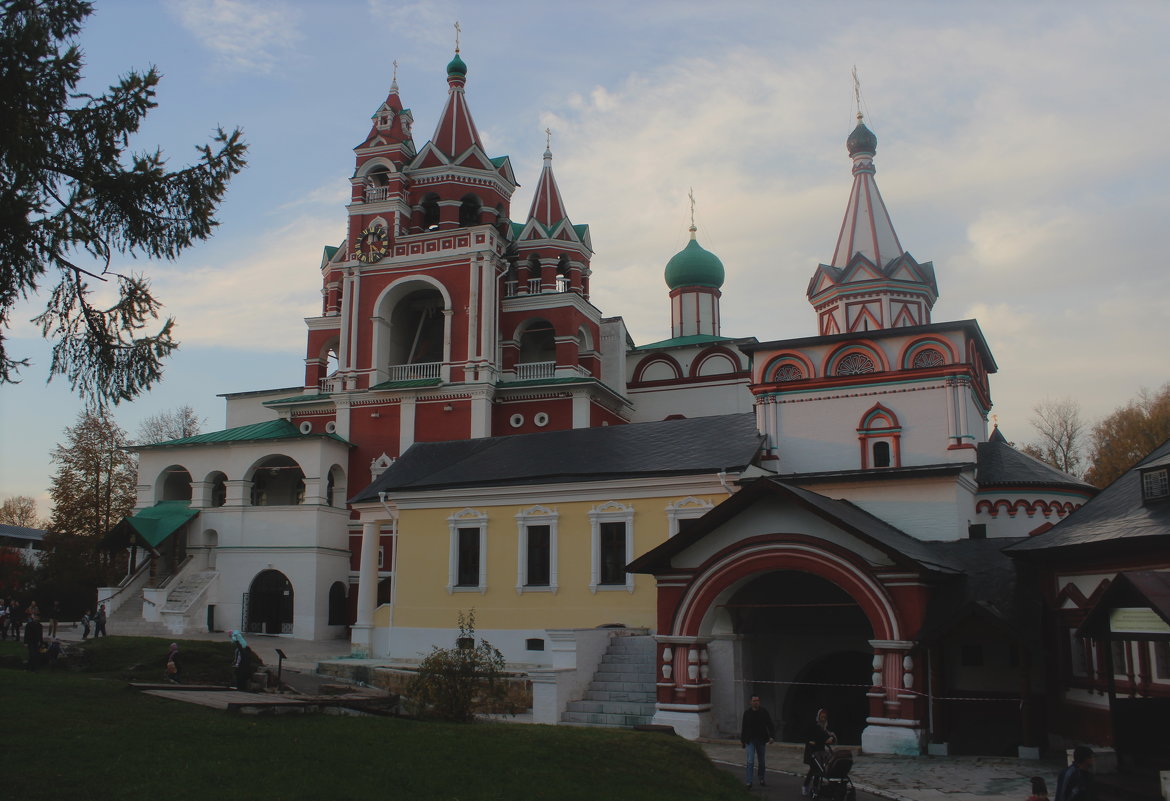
[189,590]
[622,693]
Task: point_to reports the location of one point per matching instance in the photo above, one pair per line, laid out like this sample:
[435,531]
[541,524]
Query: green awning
[160,521]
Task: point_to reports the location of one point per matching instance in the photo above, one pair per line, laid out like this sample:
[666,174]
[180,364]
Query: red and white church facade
[830,562]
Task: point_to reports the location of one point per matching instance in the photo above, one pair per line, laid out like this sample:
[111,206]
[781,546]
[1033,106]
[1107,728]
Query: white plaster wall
[411,645]
[1022,524]
[818,430]
[770,516]
[690,400]
[247,408]
[925,508]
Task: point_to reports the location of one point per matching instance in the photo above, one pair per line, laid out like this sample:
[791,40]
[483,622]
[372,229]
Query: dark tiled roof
[899,545]
[1117,515]
[1001,465]
[21,532]
[673,447]
[990,588]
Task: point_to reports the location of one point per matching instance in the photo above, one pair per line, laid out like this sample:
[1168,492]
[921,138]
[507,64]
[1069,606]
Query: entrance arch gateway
[721,566]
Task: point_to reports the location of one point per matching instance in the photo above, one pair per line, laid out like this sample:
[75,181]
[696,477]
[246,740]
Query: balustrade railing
[376,193]
[414,372]
[530,371]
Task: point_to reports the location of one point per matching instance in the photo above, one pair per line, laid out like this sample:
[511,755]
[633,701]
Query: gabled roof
[1136,588]
[1117,516]
[256,432]
[900,546]
[1001,465]
[675,447]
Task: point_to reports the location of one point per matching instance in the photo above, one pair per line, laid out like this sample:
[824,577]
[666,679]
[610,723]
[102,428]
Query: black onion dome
[862,140]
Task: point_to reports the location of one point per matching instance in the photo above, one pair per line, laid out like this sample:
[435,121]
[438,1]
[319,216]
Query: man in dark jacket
[755,732]
[34,635]
[1076,782]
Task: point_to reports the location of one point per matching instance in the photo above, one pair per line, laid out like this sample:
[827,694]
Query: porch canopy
[150,527]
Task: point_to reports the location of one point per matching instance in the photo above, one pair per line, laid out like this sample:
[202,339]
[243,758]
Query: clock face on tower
[371,244]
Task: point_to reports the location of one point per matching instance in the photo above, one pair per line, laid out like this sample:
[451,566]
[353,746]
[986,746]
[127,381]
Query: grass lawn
[81,734]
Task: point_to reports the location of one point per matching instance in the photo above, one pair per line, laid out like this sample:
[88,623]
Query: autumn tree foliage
[1127,435]
[73,196]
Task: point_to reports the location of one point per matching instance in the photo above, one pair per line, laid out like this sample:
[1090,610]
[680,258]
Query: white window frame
[536,516]
[610,512]
[468,518]
[688,508]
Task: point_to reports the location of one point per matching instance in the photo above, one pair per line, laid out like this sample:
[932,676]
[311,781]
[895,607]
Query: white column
[363,628]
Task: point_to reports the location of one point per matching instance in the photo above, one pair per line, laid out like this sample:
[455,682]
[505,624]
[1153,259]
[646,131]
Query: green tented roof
[161,521]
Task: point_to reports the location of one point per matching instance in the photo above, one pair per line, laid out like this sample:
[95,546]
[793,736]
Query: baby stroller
[831,780]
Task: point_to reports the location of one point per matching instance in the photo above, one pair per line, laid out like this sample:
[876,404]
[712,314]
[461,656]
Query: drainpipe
[723,481]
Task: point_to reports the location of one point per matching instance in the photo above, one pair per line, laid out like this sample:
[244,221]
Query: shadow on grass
[83,735]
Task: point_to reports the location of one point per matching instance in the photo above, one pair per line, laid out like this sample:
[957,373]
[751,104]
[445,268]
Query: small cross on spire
[548,138]
[857,92]
[458,30]
[394,80]
[691,195]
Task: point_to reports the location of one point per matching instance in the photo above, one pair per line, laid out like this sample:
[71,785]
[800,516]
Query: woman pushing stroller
[819,737]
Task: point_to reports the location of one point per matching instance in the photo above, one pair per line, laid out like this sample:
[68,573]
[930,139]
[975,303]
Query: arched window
[278,481]
[176,484]
[855,364]
[469,208]
[538,343]
[787,372]
[928,357]
[881,454]
[337,604]
[218,490]
[430,212]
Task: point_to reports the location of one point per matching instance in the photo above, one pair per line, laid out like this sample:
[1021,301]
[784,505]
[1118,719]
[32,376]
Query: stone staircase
[127,620]
[622,692]
[188,590]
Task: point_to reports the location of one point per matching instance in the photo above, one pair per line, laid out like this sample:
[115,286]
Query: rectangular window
[1156,484]
[539,556]
[467,569]
[1162,660]
[612,556]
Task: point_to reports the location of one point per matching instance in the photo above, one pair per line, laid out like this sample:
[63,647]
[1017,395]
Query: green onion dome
[694,266]
[456,67]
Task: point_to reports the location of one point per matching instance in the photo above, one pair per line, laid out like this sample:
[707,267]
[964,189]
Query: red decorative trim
[865,347]
[1058,508]
[716,350]
[906,357]
[656,358]
[778,359]
[757,555]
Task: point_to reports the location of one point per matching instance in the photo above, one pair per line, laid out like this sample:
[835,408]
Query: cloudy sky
[1020,150]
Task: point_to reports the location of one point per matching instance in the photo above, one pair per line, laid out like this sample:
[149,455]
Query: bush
[456,684]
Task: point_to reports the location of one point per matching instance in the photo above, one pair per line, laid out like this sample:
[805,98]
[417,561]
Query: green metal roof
[160,521]
[296,399]
[256,432]
[678,342]
[412,384]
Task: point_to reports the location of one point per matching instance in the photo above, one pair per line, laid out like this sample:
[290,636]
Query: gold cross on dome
[458,30]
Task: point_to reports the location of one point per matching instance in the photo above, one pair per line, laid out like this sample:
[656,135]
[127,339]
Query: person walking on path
[755,732]
[1075,783]
[99,622]
[241,660]
[85,620]
[34,635]
[819,736]
[172,669]
[54,616]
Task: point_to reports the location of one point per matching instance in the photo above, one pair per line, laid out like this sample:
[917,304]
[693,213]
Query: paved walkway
[921,778]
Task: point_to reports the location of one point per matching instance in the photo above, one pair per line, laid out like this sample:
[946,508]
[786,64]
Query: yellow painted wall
[422,599]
